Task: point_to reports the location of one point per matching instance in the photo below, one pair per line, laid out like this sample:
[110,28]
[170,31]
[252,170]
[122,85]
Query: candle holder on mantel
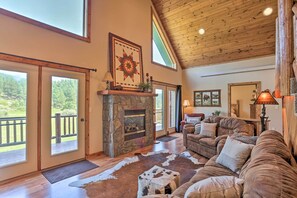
[146,86]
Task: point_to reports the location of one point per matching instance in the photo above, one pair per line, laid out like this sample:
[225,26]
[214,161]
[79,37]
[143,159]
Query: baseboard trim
[19,177]
[95,154]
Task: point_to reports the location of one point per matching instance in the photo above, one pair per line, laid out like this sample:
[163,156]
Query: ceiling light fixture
[268,11]
[201,31]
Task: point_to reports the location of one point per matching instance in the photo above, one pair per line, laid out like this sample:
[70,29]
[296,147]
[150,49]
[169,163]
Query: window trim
[164,39]
[87,24]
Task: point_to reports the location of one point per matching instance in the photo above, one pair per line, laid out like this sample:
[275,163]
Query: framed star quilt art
[125,63]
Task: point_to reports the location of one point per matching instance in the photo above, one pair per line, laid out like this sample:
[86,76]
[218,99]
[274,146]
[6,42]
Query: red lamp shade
[266,98]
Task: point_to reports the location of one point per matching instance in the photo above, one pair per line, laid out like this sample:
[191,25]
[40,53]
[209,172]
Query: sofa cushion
[234,154]
[245,139]
[269,175]
[193,120]
[211,170]
[248,129]
[219,187]
[208,141]
[197,129]
[213,119]
[160,196]
[208,129]
[268,138]
[228,125]
[195,138]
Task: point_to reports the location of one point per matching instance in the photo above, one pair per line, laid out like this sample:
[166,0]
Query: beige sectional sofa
[270,171]
[209,146]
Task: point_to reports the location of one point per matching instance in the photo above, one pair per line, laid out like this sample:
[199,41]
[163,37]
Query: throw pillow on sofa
[218,187]
[197,129]
[234,154]
[208,129]
[193,120]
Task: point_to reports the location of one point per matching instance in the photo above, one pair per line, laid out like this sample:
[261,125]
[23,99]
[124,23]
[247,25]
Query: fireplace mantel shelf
[120,92]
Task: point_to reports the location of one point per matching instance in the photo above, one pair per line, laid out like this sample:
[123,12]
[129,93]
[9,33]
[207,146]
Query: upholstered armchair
[190,115]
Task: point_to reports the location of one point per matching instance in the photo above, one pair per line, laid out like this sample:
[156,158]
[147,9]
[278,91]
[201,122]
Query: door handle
[82,119]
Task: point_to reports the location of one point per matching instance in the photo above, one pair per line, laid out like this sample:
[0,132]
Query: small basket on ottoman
[157,180]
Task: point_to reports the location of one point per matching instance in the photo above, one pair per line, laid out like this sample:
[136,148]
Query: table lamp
[265,98]
[186,103]
[107,78]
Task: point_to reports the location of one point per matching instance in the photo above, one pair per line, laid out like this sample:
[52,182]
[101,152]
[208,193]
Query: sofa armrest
[247,130]
[219,138]
[186,131]
[182,124]
[220,145]
[189,125]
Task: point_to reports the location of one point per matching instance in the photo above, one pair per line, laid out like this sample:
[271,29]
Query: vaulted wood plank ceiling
[234,29]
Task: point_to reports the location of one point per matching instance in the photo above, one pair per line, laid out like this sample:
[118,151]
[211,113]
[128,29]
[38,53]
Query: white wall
[193,80]
[130,19]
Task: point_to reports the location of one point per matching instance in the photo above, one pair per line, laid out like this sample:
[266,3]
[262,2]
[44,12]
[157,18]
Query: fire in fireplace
[134,124]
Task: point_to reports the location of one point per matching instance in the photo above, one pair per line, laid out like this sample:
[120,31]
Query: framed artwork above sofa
[207,98]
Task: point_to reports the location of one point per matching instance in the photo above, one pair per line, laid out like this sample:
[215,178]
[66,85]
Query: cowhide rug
[122,180]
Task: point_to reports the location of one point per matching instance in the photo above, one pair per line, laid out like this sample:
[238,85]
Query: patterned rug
[122,179]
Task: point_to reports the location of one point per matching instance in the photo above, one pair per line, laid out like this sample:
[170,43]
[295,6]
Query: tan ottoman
[157,180]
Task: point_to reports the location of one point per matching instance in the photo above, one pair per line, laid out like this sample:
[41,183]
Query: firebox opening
[134,124]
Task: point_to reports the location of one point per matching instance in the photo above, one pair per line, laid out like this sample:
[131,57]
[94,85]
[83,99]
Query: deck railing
[13,129]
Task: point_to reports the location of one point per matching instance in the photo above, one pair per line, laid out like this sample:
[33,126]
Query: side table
[157,180]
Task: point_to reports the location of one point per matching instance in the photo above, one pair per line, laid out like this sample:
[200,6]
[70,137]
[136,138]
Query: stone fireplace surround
[114,105]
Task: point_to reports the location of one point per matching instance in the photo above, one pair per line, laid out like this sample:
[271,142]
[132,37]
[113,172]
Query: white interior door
[63,114]
[18,119]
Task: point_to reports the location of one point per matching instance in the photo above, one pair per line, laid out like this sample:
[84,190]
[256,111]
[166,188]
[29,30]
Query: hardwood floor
[36,186]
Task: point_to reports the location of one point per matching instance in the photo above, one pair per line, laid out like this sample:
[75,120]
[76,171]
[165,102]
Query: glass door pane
[13,133]
[18,119]
[171,108]
[159,109]
[63,114]
[64,111]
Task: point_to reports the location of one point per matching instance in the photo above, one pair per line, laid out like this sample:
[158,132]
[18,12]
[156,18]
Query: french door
[18,115]
[171,109]
[160,113]
[63,114]
[165,107]
[61,118]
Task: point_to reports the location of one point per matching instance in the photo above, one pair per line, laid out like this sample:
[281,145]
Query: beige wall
[193,80]
[243,94]
[130,19]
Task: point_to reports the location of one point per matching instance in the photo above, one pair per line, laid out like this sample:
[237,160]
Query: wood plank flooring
[36,186]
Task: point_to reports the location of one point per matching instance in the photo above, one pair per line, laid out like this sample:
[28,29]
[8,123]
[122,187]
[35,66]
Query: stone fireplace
[127,121]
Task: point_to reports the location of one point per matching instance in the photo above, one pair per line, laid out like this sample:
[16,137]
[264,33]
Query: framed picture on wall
[207,98]
[126,64]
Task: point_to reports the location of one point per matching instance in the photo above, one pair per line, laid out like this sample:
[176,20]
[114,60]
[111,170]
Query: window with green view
[161,53]
[67,15]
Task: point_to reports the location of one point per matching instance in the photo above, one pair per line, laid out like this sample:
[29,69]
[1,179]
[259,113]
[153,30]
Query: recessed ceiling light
[268,11]
[201,31]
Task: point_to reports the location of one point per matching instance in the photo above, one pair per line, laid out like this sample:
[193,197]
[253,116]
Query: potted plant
[216,113]
[144,87]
